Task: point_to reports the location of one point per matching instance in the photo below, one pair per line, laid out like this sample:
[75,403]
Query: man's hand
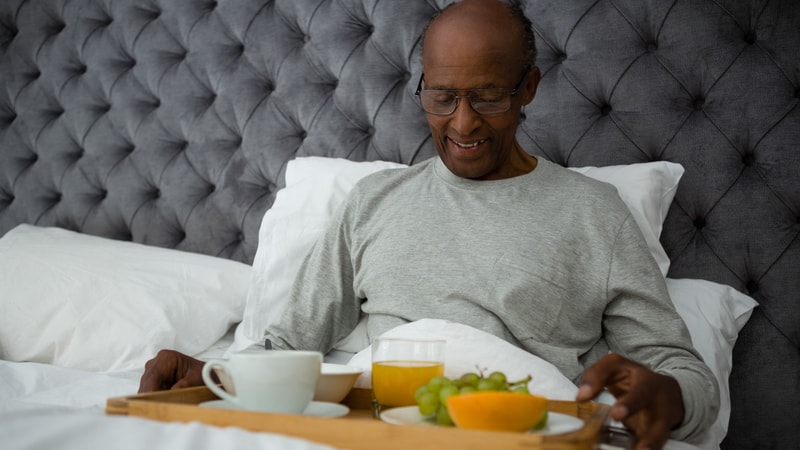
[648,403]
[171,370]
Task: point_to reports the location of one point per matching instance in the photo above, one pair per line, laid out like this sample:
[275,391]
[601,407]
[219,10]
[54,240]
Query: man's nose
[465,120]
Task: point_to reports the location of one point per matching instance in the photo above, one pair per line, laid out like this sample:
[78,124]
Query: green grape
[436,383]
[443,416]
[470,379]
[487,384]
[447,391]
[499,378]
[420,392]
[521,389]
[542,422]
[428,403]
[467,390]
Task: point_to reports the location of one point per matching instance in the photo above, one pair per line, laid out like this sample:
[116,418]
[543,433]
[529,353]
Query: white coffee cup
[278,381]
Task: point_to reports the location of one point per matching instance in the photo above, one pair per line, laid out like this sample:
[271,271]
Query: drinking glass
[400,367]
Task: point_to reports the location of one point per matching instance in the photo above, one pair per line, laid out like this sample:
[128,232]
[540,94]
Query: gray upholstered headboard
[170,122]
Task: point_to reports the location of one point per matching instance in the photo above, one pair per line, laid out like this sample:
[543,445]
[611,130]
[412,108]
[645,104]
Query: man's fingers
[145,385]
[630,402]
[619,411]
[182,383]
[149,381]
[587,392]
[656,443]
[652,437]
[159,372]
[605,372]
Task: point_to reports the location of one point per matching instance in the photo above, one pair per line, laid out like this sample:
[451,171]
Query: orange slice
[496,410]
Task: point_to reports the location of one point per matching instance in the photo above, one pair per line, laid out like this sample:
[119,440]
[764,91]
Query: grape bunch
[432,398]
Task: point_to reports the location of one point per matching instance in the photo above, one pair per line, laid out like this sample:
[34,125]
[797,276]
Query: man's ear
[530,85]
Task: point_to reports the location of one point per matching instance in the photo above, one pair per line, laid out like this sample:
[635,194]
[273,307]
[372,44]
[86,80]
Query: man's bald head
[493,21]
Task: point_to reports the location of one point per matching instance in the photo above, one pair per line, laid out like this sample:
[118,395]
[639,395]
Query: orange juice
[394,382]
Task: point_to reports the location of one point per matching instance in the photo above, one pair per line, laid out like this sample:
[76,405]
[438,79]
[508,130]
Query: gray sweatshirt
[551,261]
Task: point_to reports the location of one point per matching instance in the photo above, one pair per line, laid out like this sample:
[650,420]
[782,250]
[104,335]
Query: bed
[145,152]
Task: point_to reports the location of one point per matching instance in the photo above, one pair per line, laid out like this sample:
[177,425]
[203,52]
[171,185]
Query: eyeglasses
[443,102]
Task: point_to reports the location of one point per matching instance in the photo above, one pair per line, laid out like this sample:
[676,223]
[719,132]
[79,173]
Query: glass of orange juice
[400,367]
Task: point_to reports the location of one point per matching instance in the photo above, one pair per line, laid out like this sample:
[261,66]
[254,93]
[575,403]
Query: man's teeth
[474,144]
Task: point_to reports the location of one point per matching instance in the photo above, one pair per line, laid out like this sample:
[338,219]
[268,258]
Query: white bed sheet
[48,407]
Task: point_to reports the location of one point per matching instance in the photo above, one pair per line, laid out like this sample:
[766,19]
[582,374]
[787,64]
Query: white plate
[557,423]
[317,409]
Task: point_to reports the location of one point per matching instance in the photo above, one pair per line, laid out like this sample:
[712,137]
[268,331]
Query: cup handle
[207,368]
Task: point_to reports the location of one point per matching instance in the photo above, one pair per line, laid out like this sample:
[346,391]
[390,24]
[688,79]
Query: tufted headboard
[170,122]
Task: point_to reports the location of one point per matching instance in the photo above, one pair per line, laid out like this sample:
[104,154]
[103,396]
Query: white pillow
[316,186]
[91,303]
[714,314]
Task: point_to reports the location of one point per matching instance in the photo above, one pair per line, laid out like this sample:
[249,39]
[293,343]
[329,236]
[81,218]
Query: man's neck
[521,162]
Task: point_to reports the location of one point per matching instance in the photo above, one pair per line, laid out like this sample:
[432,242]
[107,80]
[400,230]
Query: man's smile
[466,147]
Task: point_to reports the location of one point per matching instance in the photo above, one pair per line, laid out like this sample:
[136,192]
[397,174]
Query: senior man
[490,236]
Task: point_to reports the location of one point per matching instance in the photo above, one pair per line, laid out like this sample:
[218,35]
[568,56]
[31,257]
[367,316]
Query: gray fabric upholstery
[170,123]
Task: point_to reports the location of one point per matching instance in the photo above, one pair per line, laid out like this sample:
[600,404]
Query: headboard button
[699,223]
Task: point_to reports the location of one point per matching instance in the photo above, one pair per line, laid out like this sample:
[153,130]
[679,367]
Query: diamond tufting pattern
[170,122]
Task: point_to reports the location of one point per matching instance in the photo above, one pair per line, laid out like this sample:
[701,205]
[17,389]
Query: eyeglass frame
[470,92]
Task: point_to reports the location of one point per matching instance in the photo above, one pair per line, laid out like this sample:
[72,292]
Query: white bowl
[335,382]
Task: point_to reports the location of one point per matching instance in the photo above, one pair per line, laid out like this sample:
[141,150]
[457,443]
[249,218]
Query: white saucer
[317,409]
[409,415]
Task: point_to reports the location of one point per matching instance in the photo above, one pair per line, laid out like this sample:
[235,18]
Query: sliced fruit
[496,410]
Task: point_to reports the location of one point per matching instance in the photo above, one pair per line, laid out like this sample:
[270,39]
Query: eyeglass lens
[483,101]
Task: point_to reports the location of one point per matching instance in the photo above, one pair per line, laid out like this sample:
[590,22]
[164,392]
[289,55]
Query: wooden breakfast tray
[180,405]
